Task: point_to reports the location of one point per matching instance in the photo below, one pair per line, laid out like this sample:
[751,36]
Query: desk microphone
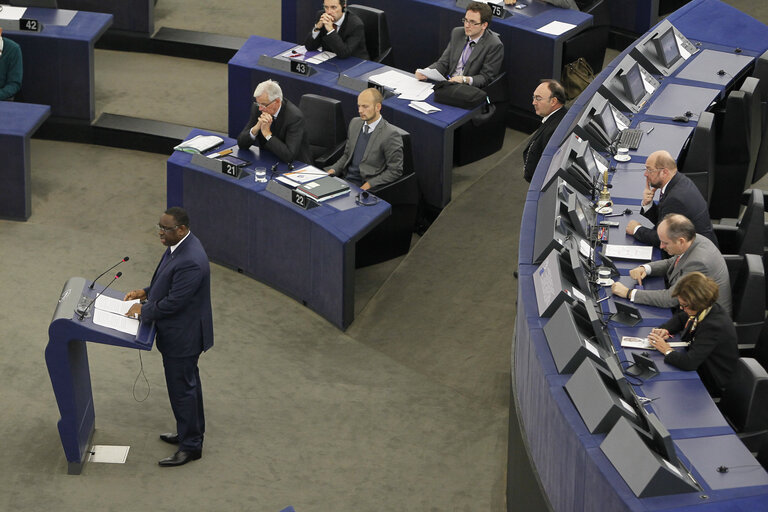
[82,311]
[126,258]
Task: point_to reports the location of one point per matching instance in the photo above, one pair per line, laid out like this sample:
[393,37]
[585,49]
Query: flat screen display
[632,81]
[666,48]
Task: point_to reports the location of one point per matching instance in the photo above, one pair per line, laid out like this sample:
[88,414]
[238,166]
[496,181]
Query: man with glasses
[338,30]
[474,53]
[178,300]
[677,194]
[549,104]
[10,68]
[276,125]
[688,253]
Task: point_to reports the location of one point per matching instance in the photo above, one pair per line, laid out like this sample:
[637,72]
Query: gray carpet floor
[406,410]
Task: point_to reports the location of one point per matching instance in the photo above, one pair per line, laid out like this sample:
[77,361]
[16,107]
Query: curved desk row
[307,254]
[572,464]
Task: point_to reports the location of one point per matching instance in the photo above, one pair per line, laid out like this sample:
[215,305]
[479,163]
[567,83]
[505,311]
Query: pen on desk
[225,152]
[598,301]
[650,130]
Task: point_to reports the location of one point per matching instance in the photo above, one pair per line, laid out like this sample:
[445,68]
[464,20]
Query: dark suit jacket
[538,141]
[681,197]
[382,161]
[713,351]
[179,301]
[289,140]
[484,62]
[348,41]
[702,256]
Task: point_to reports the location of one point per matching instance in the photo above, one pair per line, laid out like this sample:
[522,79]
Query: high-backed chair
[736,152]
[698,159]
[326,129]
[483,135]
[747,236]
[745,402]
[392,237]
[376,31]
[761,73]
[760,352]
[748,290]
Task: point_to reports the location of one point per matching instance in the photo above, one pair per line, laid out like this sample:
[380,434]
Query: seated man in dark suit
[549,103]
[474,53]
[678,194]
[10,68]
[338,31]
[276,124]
[373,155]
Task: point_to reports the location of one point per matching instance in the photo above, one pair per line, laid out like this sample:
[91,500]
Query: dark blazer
[289,140]
[484,62]
[702,256]
[681,197]
[538,141]
[348,41]
[382,161]
[179,301]
[713,351]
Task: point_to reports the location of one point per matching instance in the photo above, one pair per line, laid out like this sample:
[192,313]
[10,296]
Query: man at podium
[178,300]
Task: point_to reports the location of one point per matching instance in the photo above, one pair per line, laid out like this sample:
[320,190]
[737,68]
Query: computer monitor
[599,124]
[632,81]
[581,214]
[554,223]
[608,122]
[572,164]
[667,50]
[558,279]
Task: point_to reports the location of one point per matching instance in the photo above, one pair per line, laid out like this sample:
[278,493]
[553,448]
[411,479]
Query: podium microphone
[82,311]
[110,268]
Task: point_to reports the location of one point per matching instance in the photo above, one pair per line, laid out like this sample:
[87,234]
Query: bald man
[677,194]
[373,155]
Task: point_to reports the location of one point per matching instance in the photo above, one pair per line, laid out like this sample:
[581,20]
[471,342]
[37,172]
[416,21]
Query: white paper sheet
[12,13]
[109,312]
[629,252]
[423,107]
[432,74]
[556,28]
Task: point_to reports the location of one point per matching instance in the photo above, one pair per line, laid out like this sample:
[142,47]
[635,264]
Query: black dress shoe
[180,458]
[170,438]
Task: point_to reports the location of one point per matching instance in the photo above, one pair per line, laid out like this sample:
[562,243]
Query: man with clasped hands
[339,31]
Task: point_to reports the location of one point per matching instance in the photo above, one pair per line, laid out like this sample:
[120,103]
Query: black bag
[459,95]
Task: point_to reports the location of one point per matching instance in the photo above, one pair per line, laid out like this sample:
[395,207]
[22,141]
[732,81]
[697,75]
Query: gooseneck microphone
[126,258]
[82,311]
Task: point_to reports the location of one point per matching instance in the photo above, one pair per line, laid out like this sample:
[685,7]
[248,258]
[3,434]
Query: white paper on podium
[12,13]
[109,312]
[556,28]
[629,252]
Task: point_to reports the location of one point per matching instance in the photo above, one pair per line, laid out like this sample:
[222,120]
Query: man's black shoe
[180,458]
[170,438]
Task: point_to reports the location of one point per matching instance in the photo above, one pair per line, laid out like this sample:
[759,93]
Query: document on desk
[556,28]
[304,175]
[629,252]
[12,13]
[199,144]
[644,344]
[406,86]
[423,107]
[109,312]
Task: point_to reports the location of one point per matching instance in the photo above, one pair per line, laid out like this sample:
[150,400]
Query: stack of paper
[111,312]
[406,86]
[423,107]
[199,144]
[304,175]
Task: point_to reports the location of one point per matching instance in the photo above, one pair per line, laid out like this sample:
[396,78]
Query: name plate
[300,67]
[497,10]
[30,25]
[230,169]
[302,201]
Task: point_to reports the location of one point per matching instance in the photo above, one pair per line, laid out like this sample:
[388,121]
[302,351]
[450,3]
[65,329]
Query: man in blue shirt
[10,68]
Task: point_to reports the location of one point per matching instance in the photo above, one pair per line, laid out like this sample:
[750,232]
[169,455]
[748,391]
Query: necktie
[365,129]
[464,57]
[335,27]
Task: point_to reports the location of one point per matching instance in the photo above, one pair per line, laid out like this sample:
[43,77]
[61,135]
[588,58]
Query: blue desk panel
[18,121]
[432,134]
[130,15]
[419,31]
[58,61]
[307,254]
[701,434]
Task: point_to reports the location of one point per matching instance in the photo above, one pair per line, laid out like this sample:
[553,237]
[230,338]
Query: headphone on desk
[365,199]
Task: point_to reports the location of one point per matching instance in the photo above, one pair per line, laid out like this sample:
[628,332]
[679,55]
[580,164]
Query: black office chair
[760,351]
[745,403]
[392,237]
[483,135]
[697,160]
[761,73]
[376,31]
[748,291]
[49,4]
[736,153]
[326,129]
[747,234]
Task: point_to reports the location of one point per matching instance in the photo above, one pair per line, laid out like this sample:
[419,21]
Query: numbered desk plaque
[300,67]
[302,200]
[30,25]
